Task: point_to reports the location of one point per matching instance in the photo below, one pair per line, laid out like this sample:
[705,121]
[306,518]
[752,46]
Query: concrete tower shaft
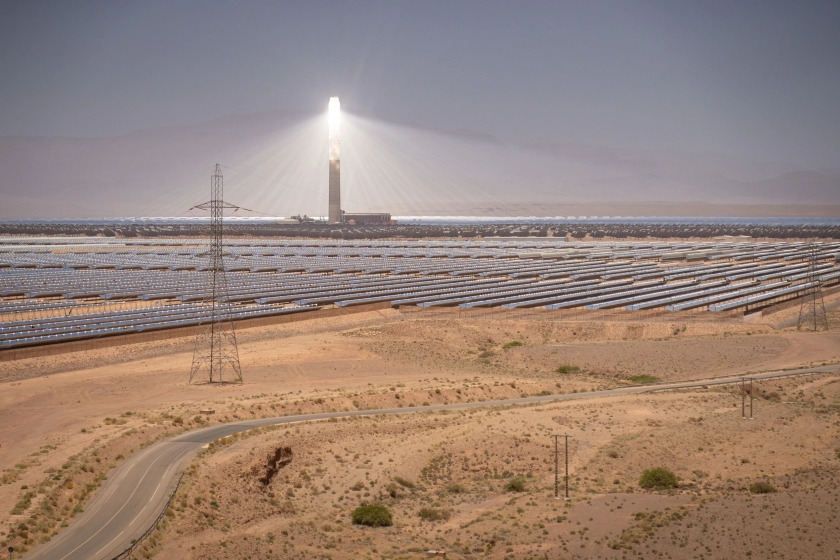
[335,161]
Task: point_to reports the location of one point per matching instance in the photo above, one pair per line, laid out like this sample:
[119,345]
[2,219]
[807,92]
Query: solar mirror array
[55,289]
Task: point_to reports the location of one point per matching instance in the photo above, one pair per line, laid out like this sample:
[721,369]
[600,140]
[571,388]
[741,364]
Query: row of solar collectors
[395,264]
[750,289]
[162,285]
[565,295]
[112,318]
[260,263]
[21,280]
[648,294]
[604,295]
[63,331]
[233,242]
[249,287]
[554,295]
[349,265]
[245,262]
[544,295]
[601,250]
[409,248]
[23,306]
[280,287]
[533,268]
[118,258]
[111,258]
[398,265]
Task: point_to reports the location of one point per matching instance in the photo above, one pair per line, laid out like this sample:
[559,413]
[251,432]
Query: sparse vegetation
[23,504]
[762,487]
[516,484]
[404,482]
[567,369]
[432,514]
[658,478]
[372,515]
[646,525]
[644,379]
[512,344]
[455,488]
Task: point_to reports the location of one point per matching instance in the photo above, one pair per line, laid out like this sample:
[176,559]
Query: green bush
[659,478]
[762,487]
[432,514]
[512,344]
[455,488]
[643,379]
[567,369]
[516,484]
[372,516]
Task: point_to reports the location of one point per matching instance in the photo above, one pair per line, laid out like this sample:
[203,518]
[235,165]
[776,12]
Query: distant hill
[275,163]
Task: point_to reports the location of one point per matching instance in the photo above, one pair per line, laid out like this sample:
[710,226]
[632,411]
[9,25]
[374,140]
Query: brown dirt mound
[265,471]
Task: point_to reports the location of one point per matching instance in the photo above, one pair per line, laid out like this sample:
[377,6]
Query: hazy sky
[758,79]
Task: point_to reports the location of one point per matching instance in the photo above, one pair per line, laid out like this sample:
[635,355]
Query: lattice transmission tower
[215,342]
[812,307]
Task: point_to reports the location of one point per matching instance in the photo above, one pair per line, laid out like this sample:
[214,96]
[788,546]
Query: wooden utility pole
[743,398]
[557,466]
[567,467]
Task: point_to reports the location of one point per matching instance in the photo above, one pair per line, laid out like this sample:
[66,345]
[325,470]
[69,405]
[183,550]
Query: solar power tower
[215,342]
[812,307]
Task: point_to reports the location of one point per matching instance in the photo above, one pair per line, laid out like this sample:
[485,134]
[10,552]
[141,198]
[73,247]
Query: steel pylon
[812,308]
[215,342]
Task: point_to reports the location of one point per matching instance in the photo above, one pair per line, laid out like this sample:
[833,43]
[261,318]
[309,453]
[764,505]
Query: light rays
[386,167]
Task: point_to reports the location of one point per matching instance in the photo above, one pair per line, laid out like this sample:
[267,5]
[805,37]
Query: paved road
[136,491]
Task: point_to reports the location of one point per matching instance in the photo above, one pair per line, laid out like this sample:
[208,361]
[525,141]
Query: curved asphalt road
[136,491]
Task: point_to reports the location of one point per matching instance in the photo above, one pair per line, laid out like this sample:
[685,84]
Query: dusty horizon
[274,163]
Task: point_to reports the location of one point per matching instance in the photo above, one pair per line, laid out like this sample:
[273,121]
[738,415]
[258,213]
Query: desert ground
[477,483]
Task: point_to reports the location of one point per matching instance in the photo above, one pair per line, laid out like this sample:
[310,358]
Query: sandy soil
[460,464]
[66,420]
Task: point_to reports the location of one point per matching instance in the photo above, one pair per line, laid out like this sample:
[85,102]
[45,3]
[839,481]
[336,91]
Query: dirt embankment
[62,410]
[449,481]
